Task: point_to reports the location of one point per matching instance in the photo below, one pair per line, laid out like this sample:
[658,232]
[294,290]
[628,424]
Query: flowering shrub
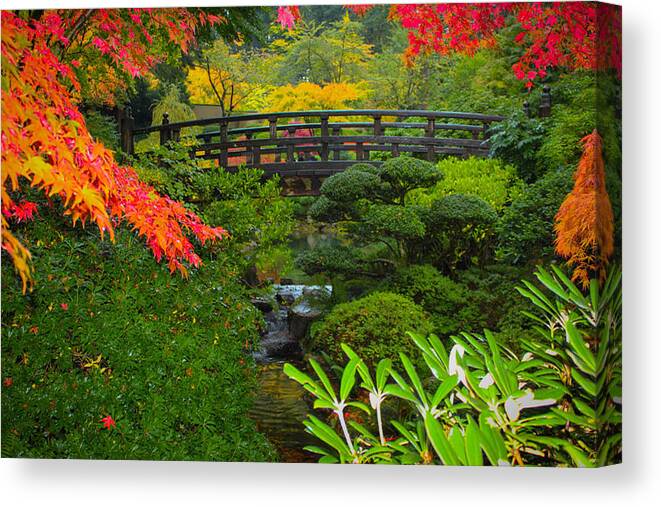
[557,404]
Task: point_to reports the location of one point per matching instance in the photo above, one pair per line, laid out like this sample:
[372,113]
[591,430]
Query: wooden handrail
[344,125]
[325,145]
[485,118]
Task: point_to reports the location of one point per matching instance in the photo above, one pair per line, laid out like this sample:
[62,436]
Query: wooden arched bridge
[312,145]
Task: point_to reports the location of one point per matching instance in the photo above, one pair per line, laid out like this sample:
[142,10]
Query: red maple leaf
[108,422]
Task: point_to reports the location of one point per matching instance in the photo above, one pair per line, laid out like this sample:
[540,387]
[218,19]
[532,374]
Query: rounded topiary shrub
[446,301]
[375,326]
[460,228]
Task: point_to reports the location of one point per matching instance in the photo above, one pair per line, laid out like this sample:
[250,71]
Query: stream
[280,406]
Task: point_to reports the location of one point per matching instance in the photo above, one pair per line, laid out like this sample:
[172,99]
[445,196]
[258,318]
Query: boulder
[300,317]
[264,305]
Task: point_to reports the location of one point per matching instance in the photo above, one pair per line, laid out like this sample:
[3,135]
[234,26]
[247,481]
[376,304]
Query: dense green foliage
[103,128]
[257,217]
[460,232]
[489,179]
[482,83]
[558,404]
[369,202]
[374,325]
[445,300]
[493,305]
[407,211]
[516,140]
[108,331]
[525,231]
[477,298]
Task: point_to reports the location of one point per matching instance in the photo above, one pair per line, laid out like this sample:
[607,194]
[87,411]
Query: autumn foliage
[288,15]
[584,222]
[310,96]
[46,145]
[572,35]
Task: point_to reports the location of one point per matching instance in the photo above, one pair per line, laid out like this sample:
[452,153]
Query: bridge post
[273,134]
[249,155]
[222,155]
[290,147]
[485,130]
[256,155]
[273,127]
[324,137]
[377,126]
[127,123]
[336,152]
[430,133]
[360,151]
[165,130]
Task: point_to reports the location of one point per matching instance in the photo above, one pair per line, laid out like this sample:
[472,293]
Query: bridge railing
[324,142]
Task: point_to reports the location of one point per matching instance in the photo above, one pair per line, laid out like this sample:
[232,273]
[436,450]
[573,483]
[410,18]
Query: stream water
[281,404]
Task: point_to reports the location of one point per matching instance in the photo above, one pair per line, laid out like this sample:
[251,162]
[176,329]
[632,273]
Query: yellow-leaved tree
[235,79]
[310,96]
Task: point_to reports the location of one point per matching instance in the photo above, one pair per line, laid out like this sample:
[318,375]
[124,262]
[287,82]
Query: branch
[213,86]
[78,25]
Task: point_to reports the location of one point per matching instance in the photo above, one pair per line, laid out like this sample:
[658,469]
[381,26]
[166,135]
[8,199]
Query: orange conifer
[584,222]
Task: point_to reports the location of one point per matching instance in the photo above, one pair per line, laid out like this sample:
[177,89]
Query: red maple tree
[46,144]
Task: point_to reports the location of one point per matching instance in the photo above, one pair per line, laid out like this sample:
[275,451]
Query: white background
[636,482]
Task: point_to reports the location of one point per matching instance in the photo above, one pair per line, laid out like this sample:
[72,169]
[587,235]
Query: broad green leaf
[584,408]
[440,442]
[579,346]
[295,374]
[439,349]
[397,391]
[328,460]
[456,439]
[326,434]
[588,385]
[324,379]
[382,372]
[571,417]
[443,390]
[579,458]
[473,445]
[359,405]
[363,431]
[415,379]
[348,379]
[578,297]
[323,403]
